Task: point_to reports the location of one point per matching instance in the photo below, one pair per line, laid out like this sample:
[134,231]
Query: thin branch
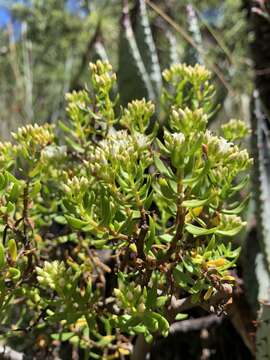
[25,213]
[142,234]
[140,349]
[203,322]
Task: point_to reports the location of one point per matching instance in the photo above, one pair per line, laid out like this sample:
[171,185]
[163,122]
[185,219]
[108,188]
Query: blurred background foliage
[45,48]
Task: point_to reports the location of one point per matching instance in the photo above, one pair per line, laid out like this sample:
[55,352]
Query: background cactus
[260,298]
[133,79]
[139,73]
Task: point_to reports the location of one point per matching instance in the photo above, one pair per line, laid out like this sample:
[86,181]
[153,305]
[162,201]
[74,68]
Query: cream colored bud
[129,296]
[141,308]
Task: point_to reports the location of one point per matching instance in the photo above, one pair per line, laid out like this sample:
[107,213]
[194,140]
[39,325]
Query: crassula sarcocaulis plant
[112,225]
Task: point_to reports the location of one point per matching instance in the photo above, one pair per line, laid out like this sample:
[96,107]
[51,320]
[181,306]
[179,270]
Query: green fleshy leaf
[77,224]
[230,232]
[181,316]
[164,170]
[62,336]
[199,231]
[194,203]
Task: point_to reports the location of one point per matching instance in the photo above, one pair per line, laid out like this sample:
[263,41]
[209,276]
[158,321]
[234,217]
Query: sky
[6,4]
[4,16]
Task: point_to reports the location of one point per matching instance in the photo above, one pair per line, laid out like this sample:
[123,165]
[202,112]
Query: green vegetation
[123,207]
[159,206]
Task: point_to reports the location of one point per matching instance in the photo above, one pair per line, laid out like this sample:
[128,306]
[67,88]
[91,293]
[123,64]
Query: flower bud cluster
[175,144]
[33,296]
[136,117]
[98,163]
[7,150]
[188,86]
[219,150]
[54,152]
[35,135]
[76,185]
[188,121]
[131,298]
[53,274]
[235,129]
[240,159]
[119,149]
[197,73]
[102,75]
[77,104]
[230,222]
[5,147]
[220,174]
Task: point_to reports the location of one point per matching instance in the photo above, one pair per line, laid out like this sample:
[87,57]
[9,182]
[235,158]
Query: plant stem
[140,349]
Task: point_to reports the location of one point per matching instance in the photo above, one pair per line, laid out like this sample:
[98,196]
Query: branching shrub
[111,225]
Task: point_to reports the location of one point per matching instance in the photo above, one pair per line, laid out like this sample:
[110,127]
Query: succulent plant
[108,227]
